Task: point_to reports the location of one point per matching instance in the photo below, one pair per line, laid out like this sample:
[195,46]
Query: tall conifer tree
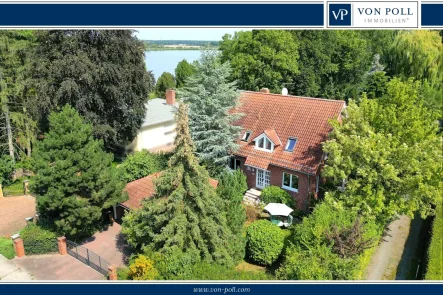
[185,219]
[211,97]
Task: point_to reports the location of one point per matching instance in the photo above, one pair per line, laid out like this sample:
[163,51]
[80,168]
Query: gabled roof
[284,117]
[272,135]
[144,188]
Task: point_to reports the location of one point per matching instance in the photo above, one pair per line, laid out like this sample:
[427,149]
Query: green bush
[123,274]
[264,242]
[6,169]
[330,244]
[38,240]
[435,255]
[7,248]
[274,194]
[141,164]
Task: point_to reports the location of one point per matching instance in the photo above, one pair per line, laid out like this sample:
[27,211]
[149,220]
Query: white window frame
[265,138]
[289,188]
[287,144]
[244,136]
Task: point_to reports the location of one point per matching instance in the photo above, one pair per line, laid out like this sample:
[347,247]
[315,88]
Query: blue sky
[210,34]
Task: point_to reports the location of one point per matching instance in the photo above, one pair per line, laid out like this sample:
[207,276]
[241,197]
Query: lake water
[167,60]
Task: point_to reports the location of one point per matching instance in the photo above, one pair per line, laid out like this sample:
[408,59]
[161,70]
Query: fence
[87,257]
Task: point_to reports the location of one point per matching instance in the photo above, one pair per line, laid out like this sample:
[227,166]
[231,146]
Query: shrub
[7,248]
[435,255]
[265,242]
[317,263]
[123,274]
[38,240]
[6,169]
[141,164]
[142,268]
[274,194]
[330,244]
[252,213]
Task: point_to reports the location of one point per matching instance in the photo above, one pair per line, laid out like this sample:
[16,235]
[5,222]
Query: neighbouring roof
[282,117]
[144,188]
[158,111]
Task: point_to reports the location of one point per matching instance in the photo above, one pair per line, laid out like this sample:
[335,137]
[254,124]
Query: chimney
[284,91]
[264,90]
[170,96]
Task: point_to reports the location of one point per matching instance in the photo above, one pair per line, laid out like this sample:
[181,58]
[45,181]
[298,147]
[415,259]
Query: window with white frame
[291,144]
[290,182]
[264,143]
[246,136]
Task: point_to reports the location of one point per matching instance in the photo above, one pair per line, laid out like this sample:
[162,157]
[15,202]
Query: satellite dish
[284,91]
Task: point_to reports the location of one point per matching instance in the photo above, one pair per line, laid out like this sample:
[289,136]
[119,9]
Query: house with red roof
[281,142]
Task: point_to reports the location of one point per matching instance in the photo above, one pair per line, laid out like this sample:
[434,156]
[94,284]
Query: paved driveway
[110,245]
[9,271]
[56,267]
[13,211]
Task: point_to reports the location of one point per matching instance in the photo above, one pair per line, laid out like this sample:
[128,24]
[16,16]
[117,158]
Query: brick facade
[306,183]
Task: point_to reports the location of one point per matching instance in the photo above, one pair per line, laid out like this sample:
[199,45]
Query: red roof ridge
[295,96]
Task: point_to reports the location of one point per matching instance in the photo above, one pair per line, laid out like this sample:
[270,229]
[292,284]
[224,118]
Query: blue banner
[226,288]
[167,15]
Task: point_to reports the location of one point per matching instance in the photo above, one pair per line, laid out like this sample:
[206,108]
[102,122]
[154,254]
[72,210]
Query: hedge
[435,255]
[264,242]
[38,240]
[274,194]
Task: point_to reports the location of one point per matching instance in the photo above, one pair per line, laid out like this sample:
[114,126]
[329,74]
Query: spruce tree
[185,220]
[211,97]
[74,180]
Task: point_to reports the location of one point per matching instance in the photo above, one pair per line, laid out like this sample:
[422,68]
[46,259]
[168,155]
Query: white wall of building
[155,138]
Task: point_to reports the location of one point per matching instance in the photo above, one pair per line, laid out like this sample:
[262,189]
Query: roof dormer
[267,141]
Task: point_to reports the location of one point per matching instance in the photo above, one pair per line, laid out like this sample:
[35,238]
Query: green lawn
[14,189]
[6,248]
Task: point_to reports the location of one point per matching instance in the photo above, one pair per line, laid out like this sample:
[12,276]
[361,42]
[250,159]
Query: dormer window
[264,143]
[291,144]
[246,136]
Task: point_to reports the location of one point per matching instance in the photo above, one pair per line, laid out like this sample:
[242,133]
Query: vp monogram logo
[341,13]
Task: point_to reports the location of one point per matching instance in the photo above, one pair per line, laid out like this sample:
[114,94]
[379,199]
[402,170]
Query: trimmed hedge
[7,248]
[265,242]
[38,240]
[274,194]
[435,255]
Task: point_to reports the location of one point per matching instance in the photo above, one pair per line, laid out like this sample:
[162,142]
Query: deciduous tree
[164,82]
[101,73]
[183,71]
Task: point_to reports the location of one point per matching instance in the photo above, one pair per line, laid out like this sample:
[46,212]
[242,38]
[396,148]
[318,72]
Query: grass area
[15,188]
[246,266]
[7,248]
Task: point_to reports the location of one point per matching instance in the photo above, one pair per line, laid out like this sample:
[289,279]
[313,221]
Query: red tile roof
[283,117]
[144,188]
[272,135]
